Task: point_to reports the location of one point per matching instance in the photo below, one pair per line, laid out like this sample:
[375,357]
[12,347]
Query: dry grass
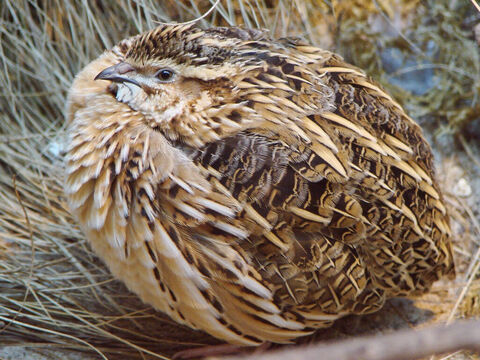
[55,293]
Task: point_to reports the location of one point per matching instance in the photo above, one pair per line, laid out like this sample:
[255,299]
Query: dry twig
[401,345]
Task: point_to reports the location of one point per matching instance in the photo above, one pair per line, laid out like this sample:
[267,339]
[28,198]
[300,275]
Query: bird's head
[176,72]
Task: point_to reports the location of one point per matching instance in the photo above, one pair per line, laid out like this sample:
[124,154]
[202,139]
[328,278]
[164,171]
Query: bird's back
[352,199]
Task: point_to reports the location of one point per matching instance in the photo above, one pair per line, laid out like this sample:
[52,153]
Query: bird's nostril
[123,68]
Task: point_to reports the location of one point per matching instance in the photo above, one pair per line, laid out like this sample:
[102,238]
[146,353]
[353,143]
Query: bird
[254,188]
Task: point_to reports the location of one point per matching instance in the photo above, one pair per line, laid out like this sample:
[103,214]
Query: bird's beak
[121,72]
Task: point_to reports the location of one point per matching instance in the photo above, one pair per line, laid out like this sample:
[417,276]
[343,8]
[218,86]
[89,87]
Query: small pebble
[462,188]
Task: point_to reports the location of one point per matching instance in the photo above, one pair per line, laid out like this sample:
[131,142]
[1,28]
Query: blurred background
[57,300]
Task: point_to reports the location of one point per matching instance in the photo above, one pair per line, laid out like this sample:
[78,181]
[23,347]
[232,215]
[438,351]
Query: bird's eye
[165,75]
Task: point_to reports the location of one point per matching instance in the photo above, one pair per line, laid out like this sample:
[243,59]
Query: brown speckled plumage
[253,188]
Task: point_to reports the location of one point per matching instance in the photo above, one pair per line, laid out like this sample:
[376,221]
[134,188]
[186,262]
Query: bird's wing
[191,229]
[330,202]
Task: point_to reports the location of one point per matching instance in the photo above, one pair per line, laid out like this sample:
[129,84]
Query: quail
[251,187]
